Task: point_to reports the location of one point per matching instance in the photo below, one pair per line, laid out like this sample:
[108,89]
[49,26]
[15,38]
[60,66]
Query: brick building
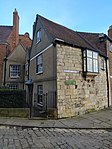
[9,40]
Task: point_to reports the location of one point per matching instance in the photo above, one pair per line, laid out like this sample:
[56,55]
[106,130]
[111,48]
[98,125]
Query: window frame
[13,86]
[39,65]
[92,59]
[40,94]
[102,64]
[38,36]
[18,73]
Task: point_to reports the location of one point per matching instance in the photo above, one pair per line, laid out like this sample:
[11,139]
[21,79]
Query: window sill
[93,74]
[14,77]
[39,73]
[38,42]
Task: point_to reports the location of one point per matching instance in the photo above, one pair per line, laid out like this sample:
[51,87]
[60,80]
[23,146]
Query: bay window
[90,60]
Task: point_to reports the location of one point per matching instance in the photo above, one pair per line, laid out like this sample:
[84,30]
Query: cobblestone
[54,138]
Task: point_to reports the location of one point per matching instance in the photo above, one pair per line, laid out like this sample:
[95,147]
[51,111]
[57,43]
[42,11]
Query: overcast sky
[79,15]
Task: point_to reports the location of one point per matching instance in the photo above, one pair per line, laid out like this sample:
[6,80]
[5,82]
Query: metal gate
[41,110]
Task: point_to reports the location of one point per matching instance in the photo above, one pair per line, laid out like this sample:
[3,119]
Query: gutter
[107,81]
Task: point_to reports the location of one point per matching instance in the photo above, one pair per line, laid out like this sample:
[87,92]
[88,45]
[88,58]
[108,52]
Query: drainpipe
[106,60]
[5,59]
[5,63]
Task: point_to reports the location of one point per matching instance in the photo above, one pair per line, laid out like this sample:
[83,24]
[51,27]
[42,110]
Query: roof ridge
[65,26]
[87,32]
[5,26]
[56,23]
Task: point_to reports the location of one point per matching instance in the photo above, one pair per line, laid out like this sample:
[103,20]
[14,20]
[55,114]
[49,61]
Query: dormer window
[38,36]
[90,61]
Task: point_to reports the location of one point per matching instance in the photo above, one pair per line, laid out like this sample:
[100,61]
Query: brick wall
[2,54]
[14,36]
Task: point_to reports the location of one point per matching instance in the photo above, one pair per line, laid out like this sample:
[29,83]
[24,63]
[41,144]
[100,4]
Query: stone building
[69,69]
[9,40]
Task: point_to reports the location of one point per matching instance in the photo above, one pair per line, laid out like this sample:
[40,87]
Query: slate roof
[79,39]
[5,31]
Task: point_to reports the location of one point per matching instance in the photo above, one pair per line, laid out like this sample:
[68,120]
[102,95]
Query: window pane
[89,65]
[40,59]
[84,64]
[40,93]
[95,65]
[39,68]
[111,47]
[102,63]
[14,70]
[38,36]
[84,53]
[95,55]
[12,86]
[89,53]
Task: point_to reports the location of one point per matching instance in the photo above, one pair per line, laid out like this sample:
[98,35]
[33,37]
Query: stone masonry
[84,94]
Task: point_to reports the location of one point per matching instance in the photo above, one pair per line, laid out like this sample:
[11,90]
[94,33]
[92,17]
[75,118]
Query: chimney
[110,31]
[16,27]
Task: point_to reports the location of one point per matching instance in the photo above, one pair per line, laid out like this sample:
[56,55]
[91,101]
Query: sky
[79,15]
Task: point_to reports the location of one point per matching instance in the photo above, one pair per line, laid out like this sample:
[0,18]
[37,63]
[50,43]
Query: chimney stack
[16,27]
[110,31]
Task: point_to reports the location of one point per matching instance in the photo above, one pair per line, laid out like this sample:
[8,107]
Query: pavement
[95,120]
[89,131]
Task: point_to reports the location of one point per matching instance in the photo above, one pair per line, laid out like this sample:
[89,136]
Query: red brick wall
[14,36]
[2,55]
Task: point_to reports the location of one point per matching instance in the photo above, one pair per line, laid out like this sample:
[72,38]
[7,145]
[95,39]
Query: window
[14,71]
[110,47]
[26,69]
[40,94]
[12,86]
[102,64]
[38,36]
[90,61]
[39,64]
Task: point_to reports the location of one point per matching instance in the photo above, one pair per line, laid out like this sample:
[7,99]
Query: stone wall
[77,94]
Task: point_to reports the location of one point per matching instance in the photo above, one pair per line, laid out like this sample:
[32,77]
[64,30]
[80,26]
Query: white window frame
[39,64]
[90,60]
[14,72]
[13,86]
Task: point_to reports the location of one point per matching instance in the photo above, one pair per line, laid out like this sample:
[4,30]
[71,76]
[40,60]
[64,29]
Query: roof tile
[5,32]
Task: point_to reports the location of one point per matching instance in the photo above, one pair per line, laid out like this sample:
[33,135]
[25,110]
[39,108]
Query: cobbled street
[54,138]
